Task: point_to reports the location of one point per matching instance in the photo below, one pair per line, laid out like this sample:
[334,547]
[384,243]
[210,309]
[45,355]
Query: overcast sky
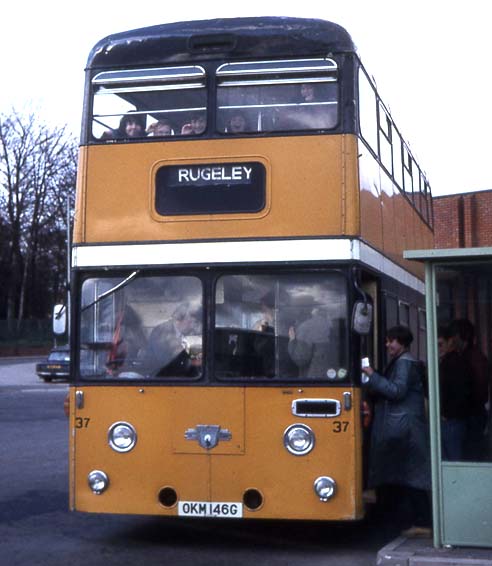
[430,59]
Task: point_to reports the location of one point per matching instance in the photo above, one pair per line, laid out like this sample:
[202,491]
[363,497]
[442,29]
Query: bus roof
[230,38]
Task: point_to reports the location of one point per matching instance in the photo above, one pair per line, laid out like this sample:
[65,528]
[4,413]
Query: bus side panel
[393,228]
[370,196]
[394,231]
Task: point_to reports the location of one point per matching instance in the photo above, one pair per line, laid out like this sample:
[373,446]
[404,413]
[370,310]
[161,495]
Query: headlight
[299,439]
[324,487]
[122,437]
[98,481]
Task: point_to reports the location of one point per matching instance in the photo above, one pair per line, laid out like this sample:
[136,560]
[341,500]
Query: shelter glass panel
[465,317]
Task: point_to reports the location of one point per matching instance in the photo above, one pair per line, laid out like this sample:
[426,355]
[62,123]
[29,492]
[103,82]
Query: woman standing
[399,462]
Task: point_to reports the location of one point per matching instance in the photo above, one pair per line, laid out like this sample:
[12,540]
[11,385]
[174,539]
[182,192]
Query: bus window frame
[383,127]
[385,138]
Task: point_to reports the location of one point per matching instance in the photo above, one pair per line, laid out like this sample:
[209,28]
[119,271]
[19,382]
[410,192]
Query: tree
[37,179]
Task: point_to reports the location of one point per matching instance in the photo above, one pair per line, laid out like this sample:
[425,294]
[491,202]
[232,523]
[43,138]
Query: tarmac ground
[402,551]
[421,552]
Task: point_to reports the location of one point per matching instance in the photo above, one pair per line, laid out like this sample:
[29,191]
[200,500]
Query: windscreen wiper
[117,287]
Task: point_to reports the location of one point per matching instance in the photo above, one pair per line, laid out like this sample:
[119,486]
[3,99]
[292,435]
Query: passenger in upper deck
[318,114]
[196,125]
[308,93]
[237,124]
[162,127]
[131,126]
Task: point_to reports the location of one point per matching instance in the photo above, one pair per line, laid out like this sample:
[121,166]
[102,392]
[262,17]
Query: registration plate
[210,509]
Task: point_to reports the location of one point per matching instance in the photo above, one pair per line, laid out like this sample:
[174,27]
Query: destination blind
[210,188]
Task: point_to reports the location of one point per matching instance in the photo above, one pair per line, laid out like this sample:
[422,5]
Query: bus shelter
[459,288]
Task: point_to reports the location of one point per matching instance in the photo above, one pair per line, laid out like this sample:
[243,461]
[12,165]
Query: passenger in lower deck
[309,345]
[168,349]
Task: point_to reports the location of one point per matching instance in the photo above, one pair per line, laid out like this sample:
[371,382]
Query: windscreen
[141,327]
[289,326]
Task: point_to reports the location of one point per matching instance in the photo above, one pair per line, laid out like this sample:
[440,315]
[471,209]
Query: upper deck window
[277,96]
[132,104]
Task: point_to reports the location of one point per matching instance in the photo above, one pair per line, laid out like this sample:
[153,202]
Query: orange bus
[244,197]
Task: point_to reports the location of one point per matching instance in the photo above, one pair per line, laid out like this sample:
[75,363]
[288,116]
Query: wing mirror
[59,319]
[362,317]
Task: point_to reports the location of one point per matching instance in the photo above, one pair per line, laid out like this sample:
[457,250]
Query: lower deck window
[289,326]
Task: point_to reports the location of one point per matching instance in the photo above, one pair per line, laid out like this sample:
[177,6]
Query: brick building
[463,220]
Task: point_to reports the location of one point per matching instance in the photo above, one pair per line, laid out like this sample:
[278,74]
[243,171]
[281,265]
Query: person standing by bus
[475,363]
[399,461]
[455,384]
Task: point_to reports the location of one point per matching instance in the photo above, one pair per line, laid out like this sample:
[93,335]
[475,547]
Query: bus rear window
[277,96]
[135,104]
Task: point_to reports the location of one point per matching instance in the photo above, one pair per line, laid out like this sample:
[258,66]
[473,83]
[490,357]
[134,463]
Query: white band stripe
[249,251]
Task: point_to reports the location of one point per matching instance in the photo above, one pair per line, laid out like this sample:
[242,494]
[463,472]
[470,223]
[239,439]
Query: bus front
[218,316]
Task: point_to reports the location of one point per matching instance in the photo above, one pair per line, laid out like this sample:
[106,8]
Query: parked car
[56,365]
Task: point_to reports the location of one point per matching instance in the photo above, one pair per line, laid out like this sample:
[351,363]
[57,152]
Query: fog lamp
[299,439]
[98,481]
[122,437]
[324,487]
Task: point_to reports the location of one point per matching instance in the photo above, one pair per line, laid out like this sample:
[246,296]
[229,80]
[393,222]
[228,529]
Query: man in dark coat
[399,463]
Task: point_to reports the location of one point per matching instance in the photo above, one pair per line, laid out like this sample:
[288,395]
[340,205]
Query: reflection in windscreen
[284,326]
[152,327]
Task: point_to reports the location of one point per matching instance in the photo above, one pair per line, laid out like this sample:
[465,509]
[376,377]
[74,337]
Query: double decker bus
[243,200]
